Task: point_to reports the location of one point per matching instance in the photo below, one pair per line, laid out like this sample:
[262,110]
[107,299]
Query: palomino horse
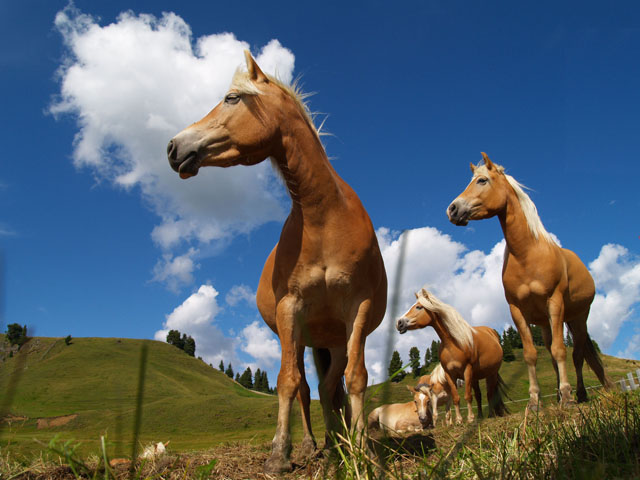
[544,284]
[403,417]
[438,388]
[324,284]
[470,353]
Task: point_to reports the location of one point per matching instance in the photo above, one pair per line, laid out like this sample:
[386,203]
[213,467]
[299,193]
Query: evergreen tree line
[511,339]
[431,358]
[184,342]
[258,382]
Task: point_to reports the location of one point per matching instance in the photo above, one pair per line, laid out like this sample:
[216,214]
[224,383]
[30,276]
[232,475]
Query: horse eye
[419,307]
[232,98]
[481,181]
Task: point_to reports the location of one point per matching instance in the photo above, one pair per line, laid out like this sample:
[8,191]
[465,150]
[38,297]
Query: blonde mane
[243,84]
[437,376]
[457,327]
[528,207]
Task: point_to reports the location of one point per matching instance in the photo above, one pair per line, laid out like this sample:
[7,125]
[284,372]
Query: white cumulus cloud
[261,343]
[135,83]
[617,276]
[240,293]
[196,316]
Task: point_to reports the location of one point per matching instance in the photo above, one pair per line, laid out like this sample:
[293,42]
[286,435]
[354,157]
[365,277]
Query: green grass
[185,400]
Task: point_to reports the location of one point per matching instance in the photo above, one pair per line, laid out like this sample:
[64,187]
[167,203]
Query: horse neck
[442,331]
[515,228]
[313,184]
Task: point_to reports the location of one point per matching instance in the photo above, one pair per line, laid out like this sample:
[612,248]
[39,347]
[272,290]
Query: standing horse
[324,284]
[439,391]
[470,353]
[544,284]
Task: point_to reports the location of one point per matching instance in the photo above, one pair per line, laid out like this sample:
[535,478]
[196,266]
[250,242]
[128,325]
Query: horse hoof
[277,465]
[533,407]
[582,397]
[308,447]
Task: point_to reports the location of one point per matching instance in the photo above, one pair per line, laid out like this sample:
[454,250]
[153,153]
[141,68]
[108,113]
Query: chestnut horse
[412,416]
[544,284]
[438,387]
[324,284]
[466,352]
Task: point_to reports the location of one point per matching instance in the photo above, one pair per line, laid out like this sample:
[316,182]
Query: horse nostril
[453,209]
[172,151]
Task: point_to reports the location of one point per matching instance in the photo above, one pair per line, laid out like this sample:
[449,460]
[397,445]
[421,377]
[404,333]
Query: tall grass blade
[142,370]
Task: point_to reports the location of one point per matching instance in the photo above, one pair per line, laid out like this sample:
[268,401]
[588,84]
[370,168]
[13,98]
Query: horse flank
[459,329]
[528,207]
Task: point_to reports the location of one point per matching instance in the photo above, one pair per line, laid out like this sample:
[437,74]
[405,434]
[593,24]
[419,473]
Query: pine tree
[435,351]
[16,334]
[246,379]
[257,380]
[394,367]
[427,358]
[414,361]
[265,383]
[536,334]
[514,337]
[507,352]
[190,346]
[173,338]
[237,377]
[221,366]
[229,371]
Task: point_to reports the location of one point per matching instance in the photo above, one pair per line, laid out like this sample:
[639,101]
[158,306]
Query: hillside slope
[92,384]
[94,380]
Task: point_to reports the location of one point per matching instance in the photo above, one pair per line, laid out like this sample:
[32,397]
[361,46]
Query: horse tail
[593,359]
[497,403]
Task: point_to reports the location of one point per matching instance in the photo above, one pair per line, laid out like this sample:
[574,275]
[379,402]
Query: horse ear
[424,293]
[255,73]
[487,161]
[411,389]
[473,167]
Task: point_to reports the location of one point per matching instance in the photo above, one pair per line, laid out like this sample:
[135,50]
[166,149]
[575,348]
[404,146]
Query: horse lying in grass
[470,353]
[412,416]
[438,388]
[544,284]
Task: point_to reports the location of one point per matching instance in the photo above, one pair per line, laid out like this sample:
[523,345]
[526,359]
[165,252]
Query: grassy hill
[185,400]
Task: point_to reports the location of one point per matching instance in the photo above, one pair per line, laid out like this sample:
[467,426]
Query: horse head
[484,197]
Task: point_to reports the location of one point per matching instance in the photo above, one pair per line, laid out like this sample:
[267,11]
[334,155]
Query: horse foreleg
[558,350]
[530,355]
[308,445]
[434,409]
[355,374]
[289,379]
[468,385]
[455,397]
[547,337]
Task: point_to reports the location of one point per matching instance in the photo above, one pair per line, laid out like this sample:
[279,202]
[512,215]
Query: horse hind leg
[330,364]
[308,446]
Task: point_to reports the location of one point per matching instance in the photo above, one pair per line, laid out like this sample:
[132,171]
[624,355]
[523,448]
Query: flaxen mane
[459,329]
[437,376]
[528,207]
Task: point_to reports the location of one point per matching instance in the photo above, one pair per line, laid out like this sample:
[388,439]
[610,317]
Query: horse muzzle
[186,165]
[459,212]
[402,325]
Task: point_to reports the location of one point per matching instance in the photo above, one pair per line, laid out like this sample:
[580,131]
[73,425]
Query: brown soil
[55,421]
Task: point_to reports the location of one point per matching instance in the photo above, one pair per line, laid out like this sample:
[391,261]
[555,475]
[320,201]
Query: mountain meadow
[64,403]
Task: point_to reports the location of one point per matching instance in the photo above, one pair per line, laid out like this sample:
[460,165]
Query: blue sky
[100,238]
